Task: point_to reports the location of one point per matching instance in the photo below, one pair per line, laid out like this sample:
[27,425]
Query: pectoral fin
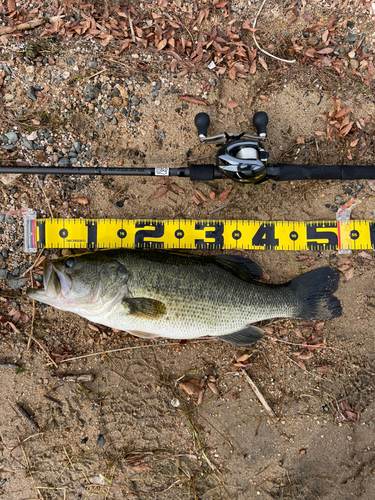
[143,307]
[247,336]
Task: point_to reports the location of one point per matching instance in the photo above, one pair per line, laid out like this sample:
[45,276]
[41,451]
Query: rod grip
[204,172]
[302,172]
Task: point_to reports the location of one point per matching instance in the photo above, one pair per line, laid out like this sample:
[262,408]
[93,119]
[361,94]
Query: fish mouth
[55,282]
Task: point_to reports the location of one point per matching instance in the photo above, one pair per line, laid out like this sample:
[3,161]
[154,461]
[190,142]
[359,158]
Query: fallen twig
[34,23]
[259,396]
[224,206]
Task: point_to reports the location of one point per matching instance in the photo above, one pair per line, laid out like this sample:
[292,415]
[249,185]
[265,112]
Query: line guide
[197,234]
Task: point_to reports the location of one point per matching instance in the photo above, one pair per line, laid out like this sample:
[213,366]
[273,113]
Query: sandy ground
[107,425]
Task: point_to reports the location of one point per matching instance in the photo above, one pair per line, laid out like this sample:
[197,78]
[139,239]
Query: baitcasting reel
[241,159]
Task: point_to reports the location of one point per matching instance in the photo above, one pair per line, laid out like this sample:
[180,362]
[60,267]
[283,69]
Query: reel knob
[260,120]
[202,121]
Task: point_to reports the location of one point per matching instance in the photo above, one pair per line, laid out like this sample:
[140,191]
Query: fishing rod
[241,158]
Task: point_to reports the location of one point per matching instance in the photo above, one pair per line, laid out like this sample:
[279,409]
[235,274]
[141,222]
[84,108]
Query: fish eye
[70,262]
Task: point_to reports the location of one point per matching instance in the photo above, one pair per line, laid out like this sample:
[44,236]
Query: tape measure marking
[201,234]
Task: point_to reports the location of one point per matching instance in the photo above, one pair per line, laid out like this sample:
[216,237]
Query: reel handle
[260,120]
[202,121]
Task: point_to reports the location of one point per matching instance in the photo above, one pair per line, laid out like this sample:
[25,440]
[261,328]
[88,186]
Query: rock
[77,146]
[90,92]
[70,61]
[30,92]
[339,200]
[12,137]
[9,97]
[64,162]
[114,121]
[32,136]
[17,283]
[116,101]
[88,155]
[9,179]
[93,64]
[354,63]
[28,144]
[351,38]
[3,274]
[66,75]
[134,100]
[157,86]
[109,111]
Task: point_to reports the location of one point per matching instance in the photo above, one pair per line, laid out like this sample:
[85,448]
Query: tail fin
[313,292]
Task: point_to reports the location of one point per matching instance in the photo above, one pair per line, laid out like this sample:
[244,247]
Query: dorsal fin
[246,269]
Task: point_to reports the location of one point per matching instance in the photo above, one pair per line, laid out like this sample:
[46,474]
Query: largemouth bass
[182,296]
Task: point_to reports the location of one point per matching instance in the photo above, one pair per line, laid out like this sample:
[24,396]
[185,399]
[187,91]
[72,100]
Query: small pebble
[64,162]
[100,441]
[30,92]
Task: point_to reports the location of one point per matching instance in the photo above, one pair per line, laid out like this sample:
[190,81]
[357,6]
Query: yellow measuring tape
[198,234]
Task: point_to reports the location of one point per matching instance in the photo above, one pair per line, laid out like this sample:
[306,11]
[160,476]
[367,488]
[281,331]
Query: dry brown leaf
[354,143]
[93,327]
[141,468]
[300,140]
[345,131]
[192,386]
[232,104]
[319,326]
[298,332]
[365,255]
[158,193]
[323,369]
[232,73]
[193,99]
[220,5]
[264,98]
[263,62]
[162,44]
[162,181]
[349,155]
[224,194]
[201,195]
[319,133]
[213,388]
[325,36]
[196,200]
[212,195]
[305,356]
[301,364]
[371,185]
[253,67]
[349,274]
[326,50]
[81,201]
[268,329]
[244,357]
[177,188]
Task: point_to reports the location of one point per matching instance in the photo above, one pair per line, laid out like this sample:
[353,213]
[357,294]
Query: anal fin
[247,336]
